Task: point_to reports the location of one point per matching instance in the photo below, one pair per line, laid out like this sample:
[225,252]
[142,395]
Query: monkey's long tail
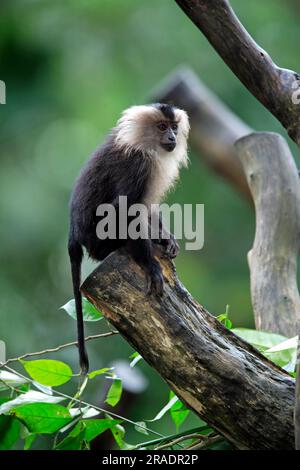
[76,254]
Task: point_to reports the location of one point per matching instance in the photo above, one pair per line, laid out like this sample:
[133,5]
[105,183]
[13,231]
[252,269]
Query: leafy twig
[58,348]
[98,408]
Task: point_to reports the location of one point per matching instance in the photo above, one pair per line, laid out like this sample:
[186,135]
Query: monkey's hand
[155,280]
[171,247]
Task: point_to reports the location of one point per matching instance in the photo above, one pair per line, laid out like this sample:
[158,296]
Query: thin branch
[58,348]
[172,436]
[203,444]
[273,86]
[181,439]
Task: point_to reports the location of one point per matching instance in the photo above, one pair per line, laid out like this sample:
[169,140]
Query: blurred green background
[70,68]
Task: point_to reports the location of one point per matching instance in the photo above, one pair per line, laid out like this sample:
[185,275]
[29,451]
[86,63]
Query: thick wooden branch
[271,85]
[274,182]
[223,379]
[214,127]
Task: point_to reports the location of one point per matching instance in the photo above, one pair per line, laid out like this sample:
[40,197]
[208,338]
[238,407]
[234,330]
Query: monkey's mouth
[168,147]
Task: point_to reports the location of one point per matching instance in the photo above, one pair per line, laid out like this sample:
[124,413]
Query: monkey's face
[153,128]
[167,134]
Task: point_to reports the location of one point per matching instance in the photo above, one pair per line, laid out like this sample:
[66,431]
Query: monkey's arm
[165,238]
[131,181]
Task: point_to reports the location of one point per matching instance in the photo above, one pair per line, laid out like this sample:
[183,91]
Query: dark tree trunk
[223,379]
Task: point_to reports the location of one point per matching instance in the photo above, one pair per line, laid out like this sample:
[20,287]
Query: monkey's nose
[171,138]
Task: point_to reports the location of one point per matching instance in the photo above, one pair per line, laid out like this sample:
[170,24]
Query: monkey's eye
[162,126]
[174,126]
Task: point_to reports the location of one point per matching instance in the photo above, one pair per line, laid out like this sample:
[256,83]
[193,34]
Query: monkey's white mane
[134,131]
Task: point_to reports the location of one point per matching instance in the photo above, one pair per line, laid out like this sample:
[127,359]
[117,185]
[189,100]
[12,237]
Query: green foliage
[141,427]
[279,349]
[179,412]
[95,373]
[27,413]
[9,432]
[42,418]
[262,340]
[90,313]
[135,358]
[8,379]
[28,397]
[84,432]
[223,318]
[114,393]
[48,372]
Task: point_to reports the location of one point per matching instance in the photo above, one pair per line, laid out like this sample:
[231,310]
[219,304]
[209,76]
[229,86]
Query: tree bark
[274,183]
[214,127]
[273,86]
[219,376]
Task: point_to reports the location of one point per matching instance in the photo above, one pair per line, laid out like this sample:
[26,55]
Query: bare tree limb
[271,85]
[57,348]
[214,127]
[223,379]
[274,182]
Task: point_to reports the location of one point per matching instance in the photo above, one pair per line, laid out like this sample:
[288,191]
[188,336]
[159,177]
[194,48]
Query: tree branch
[271,85]
[57,348]
[222,378]
[274,182]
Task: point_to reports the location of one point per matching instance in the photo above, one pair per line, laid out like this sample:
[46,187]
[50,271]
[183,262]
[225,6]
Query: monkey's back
[108,174]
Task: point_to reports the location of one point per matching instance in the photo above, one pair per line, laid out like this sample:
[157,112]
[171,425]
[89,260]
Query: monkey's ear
[184,124]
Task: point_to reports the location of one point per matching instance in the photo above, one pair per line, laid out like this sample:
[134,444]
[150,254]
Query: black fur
[167,110]
[108,174]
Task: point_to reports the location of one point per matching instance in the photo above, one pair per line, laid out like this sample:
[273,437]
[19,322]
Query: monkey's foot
[155,284]
[171,248]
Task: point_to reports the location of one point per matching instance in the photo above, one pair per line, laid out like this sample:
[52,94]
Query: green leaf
[86,430]
[95,427]
[114,393]
[262,340]
[136,357]
[11,379]
[140,426]
[118,433]
[223,318]
[73,442]
[42,418]
[85,412]
[284,354]
[9,432]
[165,409]
[29,441]
[48,372]
[90,313]
[94,373]
[179,412]
[29,397]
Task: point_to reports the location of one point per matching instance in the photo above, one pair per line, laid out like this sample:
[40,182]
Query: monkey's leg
[142,252]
